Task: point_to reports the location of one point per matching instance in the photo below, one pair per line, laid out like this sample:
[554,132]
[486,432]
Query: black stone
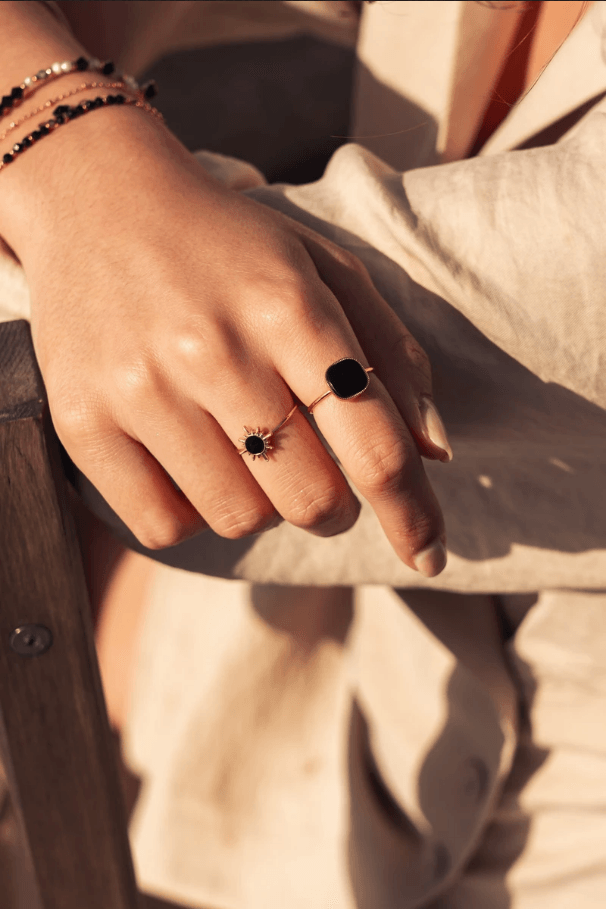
[255,445]
[108,68]
[61,109]
[7,158]
[7,102]
[150,90]
[111,99]
[97,102]
[120,99]
[43,130]
[37,134]
[17,92]
[26,142]
[86,105]
[60,118]
[81,63]
[347,378]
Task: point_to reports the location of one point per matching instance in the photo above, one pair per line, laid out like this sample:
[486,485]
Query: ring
[257,443]
[346,378]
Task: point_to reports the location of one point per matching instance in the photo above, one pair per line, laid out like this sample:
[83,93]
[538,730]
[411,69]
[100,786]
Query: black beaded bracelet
[31,83]
[63,113]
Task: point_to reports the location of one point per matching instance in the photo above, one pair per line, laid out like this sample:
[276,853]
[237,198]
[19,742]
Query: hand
[169,312]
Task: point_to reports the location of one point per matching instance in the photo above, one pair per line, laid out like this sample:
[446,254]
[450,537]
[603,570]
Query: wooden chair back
[55,740]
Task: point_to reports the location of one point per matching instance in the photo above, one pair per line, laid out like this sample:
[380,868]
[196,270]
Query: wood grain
[55,738]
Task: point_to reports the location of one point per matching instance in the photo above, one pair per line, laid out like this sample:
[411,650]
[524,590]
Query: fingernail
[434,428]
[432,560]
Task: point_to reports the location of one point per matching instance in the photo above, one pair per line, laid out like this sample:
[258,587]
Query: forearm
[81,165]
[31,38]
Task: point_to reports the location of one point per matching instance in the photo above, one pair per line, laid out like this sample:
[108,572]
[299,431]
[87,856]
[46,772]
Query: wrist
[83,170]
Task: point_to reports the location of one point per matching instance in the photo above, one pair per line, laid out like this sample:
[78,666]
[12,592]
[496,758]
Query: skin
[168,309]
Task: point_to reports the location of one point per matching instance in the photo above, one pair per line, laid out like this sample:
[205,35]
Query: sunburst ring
[257,442]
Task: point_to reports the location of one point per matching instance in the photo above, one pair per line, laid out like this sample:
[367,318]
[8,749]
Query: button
[31,640]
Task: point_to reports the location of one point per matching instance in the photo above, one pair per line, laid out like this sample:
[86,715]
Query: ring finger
[238,494]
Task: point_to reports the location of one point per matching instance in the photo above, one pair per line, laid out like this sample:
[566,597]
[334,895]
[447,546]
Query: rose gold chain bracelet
[65,112]
[74,91]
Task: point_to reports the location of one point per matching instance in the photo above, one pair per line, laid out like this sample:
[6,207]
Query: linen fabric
[315,723]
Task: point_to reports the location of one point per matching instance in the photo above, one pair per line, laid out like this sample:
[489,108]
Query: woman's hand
[168,313]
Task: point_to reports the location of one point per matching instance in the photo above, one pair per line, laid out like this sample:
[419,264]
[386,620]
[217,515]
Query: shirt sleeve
[496,264]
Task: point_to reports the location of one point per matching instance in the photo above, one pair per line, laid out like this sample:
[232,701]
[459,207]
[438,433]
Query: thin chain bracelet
[64,113]
[74,91]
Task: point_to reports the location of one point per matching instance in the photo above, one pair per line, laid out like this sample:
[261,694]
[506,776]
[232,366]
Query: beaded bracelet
[64,113]
[74,91]
[31,83]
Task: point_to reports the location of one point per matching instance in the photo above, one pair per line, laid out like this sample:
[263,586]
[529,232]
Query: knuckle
[204,343]
[416,353]
[236,525]
[289,304]
[314,508]
[407,347]
[292,307]
[382,467]
[75,419]
[137,379]
[190,347]
[161,535]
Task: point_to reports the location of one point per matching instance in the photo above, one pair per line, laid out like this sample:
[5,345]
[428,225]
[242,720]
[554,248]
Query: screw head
[31,640]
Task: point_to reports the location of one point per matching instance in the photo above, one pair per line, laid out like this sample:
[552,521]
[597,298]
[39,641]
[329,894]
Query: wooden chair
[55,740]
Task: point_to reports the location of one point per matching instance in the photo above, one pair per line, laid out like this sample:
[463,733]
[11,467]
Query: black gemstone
[86,105]
[81,63]
[255,445]
[37,134]
[108,68]
[98,101]
[26,142]
[61,109]
[111,99]
[43,129]
[17,92]
[7,101]
[150,90]
[120,99]
[7,158]
[347,378]
[60,118]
